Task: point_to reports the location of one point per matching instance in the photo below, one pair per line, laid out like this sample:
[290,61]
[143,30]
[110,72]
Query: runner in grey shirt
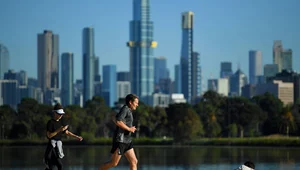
[122,135]
[122,143]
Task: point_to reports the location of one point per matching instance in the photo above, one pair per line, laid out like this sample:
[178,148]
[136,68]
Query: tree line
[213,116]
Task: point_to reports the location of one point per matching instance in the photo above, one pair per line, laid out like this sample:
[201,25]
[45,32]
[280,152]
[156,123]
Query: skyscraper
[67,79]
[141,46]
[4,60]
[277,54]
[48,61]
[109,86]
[177,81]
[161,71]
[88,74]
[255,66]
[186,54]
[287,59]
[195,75]
[226,70]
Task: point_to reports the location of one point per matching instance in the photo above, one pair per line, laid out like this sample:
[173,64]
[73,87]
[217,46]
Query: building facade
[4,60]
[141,47]
[67,79]
[48,60]
[88,52]
[255,66]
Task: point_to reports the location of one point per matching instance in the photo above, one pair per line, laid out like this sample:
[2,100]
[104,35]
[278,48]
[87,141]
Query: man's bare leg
[115,158]
[130,155]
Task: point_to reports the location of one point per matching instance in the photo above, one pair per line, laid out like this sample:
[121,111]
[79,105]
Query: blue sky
[224,30]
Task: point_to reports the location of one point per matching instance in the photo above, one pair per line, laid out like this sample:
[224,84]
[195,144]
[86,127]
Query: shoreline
[247,141]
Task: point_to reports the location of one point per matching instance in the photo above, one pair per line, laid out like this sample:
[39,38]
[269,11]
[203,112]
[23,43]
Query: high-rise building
[277,54]
[287,59]
[270,70]
[161,71]
[255,66]
[123,76]
[195,76]
[109,85]
[226,69]
[186,54]
[67,79]
[237,81]
[97,78]
[48,61]
[4,60]
[88,74]
[177,81]
[141,46]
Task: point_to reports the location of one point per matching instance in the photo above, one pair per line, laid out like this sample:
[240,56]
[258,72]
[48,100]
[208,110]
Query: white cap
[59,111]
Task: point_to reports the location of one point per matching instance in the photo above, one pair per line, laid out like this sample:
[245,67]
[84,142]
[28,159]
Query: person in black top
[55,130]
[122,143]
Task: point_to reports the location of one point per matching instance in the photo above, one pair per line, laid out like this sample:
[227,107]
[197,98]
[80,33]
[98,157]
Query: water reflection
[157,157]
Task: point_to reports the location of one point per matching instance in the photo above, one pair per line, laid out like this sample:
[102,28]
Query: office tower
[123,76]
[141,46]
[67,79]
[109,85]
[226,69]
[48,61]
[9,93]
[219,85]
[88,54]
[10,75]
[270,70]
[237,81]
[287,59]
[195,75]
[4,60]
[186,54]
[160,71]
[22,77]
[177,81]
[123,89]
[97,78]
[277,54]
[255,66]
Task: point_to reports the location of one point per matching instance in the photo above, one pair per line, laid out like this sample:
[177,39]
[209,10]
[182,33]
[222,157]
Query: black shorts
[122,147]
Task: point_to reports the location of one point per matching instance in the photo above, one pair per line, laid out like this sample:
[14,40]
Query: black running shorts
[122,147]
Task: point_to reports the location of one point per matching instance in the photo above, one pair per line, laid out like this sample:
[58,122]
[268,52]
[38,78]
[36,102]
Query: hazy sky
[224,30]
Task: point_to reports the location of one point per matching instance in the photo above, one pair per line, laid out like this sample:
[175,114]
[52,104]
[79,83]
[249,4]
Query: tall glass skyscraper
[195,76]
[141,46]
[277,54]
[67,78]
[255,66]
[226,69]
[109,86]
[48,61]
[88,53]
[186,54]
[4,61]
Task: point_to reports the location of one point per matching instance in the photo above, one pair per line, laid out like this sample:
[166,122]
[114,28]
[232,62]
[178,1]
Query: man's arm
[73,135]
[52,134]
[122,125]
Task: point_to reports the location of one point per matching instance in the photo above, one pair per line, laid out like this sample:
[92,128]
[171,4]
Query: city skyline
[222,32]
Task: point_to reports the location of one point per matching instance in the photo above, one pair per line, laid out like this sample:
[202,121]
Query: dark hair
[57,106]
[130,97]
[250,164]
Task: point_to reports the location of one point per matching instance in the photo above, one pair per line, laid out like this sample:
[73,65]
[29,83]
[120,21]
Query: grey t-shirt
[125,115]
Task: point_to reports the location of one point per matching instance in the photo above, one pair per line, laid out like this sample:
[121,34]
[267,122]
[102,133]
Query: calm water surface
[157,158]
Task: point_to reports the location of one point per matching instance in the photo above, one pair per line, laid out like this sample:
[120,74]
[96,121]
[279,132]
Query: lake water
[157,158]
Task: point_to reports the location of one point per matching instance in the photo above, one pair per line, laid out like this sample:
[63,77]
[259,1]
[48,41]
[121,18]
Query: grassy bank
[255,141]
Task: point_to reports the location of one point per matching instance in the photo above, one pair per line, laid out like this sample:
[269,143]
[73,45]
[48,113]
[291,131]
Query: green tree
[184,122]
[7,117]
[288,123]
[272,106]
